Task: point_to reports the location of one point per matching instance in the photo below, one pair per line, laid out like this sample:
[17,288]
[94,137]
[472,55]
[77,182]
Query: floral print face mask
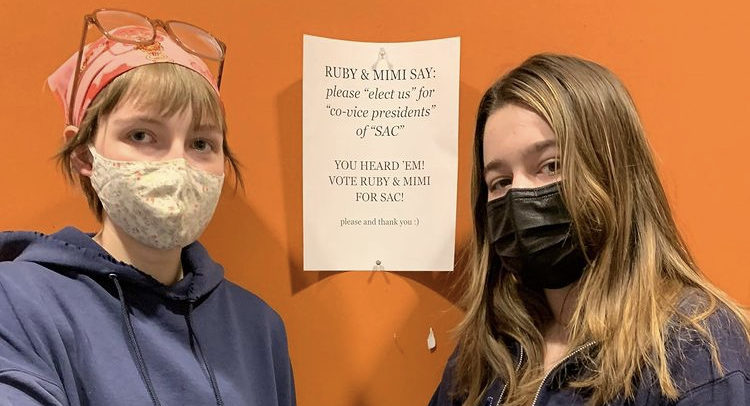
[162,204]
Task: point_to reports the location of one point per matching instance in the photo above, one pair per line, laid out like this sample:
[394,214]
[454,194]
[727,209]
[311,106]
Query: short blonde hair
[168,87]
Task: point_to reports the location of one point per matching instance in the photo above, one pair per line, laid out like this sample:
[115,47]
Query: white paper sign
[380,154]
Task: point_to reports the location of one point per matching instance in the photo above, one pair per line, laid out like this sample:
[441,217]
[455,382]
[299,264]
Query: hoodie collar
[74,251]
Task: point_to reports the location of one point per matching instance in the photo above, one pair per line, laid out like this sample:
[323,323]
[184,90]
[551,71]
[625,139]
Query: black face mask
[531,232]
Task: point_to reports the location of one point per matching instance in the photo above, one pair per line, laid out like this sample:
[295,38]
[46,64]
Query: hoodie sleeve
[22,388]
[27,375]
[283,367]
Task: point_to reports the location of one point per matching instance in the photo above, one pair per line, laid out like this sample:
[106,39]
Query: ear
[80,158]
[69,132]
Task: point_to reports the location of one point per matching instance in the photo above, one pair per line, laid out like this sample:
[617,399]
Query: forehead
[169,89]
[133,109]
[134,106]
[130,113]
[511,130]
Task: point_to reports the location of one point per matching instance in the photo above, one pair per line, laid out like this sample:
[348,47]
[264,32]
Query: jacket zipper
[518,366]
[567,357]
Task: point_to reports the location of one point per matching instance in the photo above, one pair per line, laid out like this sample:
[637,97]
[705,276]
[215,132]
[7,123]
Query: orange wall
[359,338]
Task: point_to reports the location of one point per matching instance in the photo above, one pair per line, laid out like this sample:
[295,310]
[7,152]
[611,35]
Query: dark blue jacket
[78,327]
[693,371]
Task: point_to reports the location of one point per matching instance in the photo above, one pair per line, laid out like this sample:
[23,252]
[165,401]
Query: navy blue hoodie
[78,327]
[691,366]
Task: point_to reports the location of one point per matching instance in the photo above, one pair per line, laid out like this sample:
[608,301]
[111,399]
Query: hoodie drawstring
[194,336]
[135,350]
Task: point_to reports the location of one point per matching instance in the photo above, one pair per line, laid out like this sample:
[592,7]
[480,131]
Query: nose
[523,181]
[176,150]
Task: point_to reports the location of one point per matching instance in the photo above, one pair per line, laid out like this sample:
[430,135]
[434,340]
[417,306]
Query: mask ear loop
[96,156]
[92,151]
[81,161]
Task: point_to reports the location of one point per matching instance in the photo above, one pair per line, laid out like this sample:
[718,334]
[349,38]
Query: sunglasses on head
[110,22]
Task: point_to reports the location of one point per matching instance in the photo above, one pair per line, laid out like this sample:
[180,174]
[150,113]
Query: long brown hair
[639,268]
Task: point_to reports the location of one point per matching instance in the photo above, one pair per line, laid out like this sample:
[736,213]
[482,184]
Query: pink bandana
[104,60]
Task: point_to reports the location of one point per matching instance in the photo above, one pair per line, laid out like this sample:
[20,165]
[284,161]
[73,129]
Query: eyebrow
[160,122]
[206,127]
[142,119]
[536,147]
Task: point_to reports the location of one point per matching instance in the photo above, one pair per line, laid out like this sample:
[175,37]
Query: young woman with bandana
[581,290]
[137,313]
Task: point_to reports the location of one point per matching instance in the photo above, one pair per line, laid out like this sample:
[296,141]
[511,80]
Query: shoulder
[30,283]
[443,395]
[31,313]
[693,355]
[251,307]
[24,279]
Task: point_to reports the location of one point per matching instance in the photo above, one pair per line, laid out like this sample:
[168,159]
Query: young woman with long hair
[580,288]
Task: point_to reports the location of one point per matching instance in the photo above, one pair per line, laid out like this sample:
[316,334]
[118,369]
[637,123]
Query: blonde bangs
[170,89]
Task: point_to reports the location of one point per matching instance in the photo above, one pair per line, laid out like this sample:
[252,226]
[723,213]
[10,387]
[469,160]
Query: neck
[561,303]
[163,265]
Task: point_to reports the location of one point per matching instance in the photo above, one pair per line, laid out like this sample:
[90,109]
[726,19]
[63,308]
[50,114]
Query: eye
[140,136]
[203,145]
[500,183]
[551,168]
